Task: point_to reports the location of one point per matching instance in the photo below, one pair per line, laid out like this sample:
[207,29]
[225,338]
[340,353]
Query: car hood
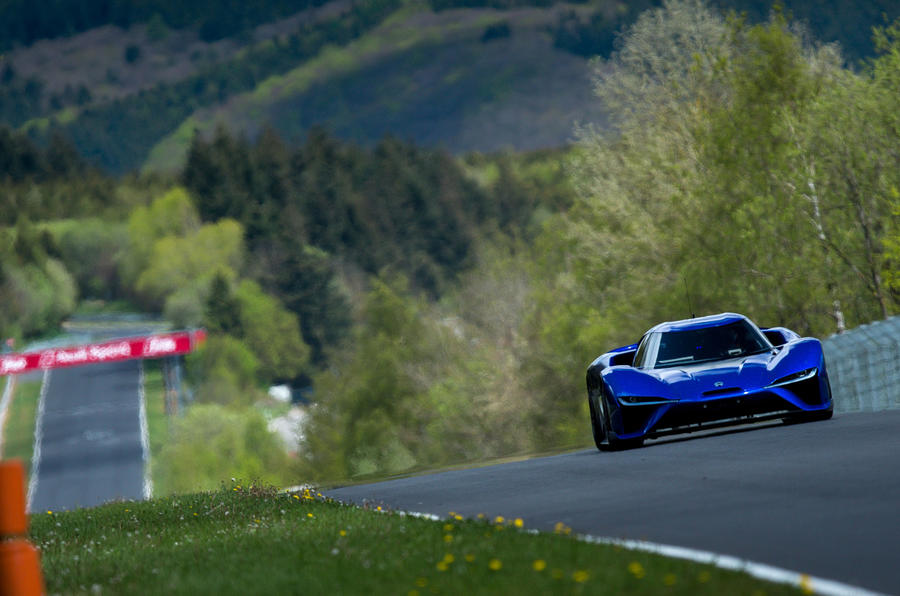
[722,376]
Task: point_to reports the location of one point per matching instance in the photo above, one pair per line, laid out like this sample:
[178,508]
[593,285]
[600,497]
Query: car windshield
[690,346]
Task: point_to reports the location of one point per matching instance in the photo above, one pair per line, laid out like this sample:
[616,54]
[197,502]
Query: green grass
[157,421]
[241,540]
[18,439]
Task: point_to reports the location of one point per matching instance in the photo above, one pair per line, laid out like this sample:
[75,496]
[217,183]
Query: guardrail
[864,367]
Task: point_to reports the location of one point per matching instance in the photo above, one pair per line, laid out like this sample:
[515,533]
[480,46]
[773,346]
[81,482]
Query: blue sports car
[702,373]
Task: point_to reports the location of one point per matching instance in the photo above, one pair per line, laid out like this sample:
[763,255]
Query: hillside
[440,79]
[131,85]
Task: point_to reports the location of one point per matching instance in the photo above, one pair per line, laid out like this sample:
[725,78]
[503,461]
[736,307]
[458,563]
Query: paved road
[821,498]
[90,446]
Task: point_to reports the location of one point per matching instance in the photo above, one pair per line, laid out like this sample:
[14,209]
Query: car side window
[641,355]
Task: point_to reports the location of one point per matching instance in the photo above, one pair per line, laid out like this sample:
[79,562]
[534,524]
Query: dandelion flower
[704,577]
[442,566]
[518,523]
[309,515]
[580,576]
[636,569]
[448,538]
[448,527]
[449,558]
[421,582]
[539,565]
[669,579]
[499,519]
[470,557]
[806,584]
[495,565]
[343,532]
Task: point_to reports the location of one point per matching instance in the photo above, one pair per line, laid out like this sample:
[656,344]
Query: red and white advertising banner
[150,346]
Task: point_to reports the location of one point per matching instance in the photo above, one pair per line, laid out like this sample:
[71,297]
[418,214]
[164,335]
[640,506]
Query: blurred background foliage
[442,308]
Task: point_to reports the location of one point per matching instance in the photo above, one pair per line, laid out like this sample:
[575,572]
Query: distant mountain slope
[463,74]
[471,79]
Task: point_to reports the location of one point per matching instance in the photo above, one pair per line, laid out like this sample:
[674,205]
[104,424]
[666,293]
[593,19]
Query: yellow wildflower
[539,565]
[636,569]
[519,523]
[580,576]
[495,565]
[669,579]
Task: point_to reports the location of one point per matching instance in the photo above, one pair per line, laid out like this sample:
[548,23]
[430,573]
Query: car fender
[625,381]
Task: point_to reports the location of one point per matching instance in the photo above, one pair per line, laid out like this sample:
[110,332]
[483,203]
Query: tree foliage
[211,444]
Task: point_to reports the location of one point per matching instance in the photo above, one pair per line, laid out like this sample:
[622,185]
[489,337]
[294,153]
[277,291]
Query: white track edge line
[145,435]
[763,571]
[38,439]
[4,406]
[770,573]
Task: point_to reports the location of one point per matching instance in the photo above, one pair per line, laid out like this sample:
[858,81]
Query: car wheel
[598,425]
[603,438]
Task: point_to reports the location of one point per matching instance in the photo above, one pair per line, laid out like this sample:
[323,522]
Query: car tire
[598,426]
[603,438]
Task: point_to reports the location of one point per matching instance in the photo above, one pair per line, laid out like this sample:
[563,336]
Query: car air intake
[722,391]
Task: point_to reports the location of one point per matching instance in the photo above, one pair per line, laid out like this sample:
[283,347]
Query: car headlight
[795,377]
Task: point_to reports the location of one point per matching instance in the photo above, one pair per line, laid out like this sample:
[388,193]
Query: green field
[19,433]
[245,539]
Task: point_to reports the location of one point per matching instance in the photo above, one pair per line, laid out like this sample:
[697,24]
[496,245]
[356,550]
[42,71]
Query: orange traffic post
[20,565]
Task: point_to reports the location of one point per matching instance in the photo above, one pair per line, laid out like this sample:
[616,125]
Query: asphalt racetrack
[821,498]
[90,438]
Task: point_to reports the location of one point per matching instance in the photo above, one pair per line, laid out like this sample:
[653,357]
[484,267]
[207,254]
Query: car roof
[699,322]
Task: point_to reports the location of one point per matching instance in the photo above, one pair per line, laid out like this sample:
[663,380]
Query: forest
[118,131]
[442,309]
